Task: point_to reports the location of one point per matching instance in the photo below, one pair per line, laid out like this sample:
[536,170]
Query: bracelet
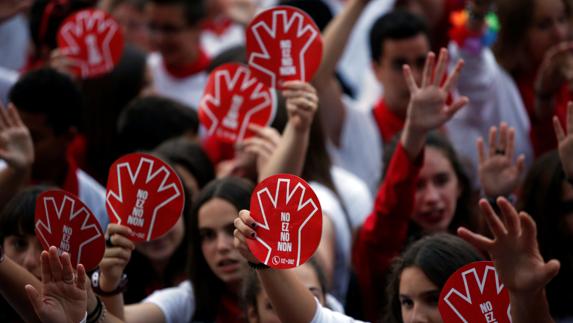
[98,314]
[119,289]
[258,266]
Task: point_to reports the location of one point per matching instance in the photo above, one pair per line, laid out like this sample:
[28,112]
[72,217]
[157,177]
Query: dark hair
[542,198]
[45,18]
[193,10]
[137,4]
[252,286]
[438,256]
[465,214]
[208,287]
[515,18]
[316,9]
[17,217]
[48,92]
[190,155]
[149,121]
[395,25]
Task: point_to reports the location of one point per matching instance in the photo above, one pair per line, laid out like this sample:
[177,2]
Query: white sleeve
[324,315]
[176,303]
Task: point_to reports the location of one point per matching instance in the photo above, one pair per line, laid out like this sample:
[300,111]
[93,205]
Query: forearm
[13,278]
[336,36]
[291,300]
[290,154]
[530,308]
[413,141]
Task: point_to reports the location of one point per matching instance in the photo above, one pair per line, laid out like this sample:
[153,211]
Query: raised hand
[556,68]
[428,108]
[301,103]
[565,139]
[514,249]
[498,174]
[244,229]
[116,257]
[262,145]
[16,147]
[63,295]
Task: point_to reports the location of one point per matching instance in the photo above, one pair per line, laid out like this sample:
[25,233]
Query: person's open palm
[429,109]
[63,297]
[514,248]
[16,147]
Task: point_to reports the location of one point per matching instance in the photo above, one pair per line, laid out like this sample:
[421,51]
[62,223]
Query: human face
[171,35]
[388,70]
[549,27]
[134,25]
[49,148]
[418,297]
[266,314]
[24,250]
[437,191]
[162,249]
[216,233]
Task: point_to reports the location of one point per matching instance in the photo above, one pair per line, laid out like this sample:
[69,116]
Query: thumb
[550,270]
[34,297]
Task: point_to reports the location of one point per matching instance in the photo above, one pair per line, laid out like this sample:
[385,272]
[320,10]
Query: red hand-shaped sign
[283,44]
[92,41]
[62,220]
[233,99]
[474,293]
[144,194]
[289,221]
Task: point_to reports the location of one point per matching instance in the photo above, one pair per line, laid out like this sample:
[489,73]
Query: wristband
[119,289]
[258,266]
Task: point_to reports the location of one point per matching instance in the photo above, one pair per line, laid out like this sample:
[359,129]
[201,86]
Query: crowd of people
[435,133]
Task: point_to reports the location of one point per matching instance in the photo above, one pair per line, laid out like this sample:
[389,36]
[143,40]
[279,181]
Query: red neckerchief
[389,124]
[229,311]
[542,134]
[218,26]
[199,65]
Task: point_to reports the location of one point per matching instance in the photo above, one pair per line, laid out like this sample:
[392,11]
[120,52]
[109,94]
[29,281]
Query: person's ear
[252,315]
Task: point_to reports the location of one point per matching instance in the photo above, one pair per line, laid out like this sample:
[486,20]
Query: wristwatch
[119,289]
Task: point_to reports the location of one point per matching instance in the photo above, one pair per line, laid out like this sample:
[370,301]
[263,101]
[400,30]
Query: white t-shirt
[358,202]
[177,303]
[214,44]
[185,90]
[360,151]
[325,315]
[93,195]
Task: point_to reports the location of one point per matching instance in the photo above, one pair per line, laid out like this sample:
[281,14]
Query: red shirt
[384,233]
[542,134]
[389,124]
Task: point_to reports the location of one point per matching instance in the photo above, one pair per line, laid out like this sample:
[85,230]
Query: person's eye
[543,24]
[432,299]
[230,229]
[441,179]
[269,306]
[206,235]
[19,244]
[406,302]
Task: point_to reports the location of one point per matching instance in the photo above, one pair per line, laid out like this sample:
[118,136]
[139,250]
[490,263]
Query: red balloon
[283,44]
[145,194]
[474,293]
[233,99]
[289,221]
[92,41]
[63,221]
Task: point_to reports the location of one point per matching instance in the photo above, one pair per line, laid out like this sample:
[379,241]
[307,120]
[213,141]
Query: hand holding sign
[283,44]
[145,194]
[92,41]
[233,99]
[474,293]
[288,221]
[62,220]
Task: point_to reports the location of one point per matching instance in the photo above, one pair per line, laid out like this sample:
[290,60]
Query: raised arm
[17,150]
[517,260]
[335,39]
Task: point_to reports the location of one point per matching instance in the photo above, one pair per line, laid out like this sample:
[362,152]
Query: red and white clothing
[183,84]
[384,234]
[218,35]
